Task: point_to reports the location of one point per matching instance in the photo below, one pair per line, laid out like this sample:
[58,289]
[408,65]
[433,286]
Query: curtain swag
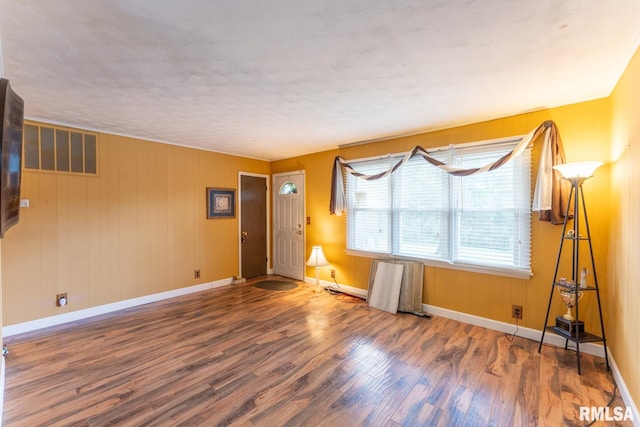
[550,196]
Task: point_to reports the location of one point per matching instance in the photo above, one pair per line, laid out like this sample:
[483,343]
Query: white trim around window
[479,223]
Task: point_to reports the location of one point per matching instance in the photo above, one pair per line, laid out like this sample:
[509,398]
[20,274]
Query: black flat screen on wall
[12,113]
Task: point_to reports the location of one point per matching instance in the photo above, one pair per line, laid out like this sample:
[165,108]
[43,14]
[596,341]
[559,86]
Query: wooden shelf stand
[575,240]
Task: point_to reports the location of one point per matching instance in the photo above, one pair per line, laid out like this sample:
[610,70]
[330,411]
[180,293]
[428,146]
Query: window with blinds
[58,149]
[475,222]
[369,224]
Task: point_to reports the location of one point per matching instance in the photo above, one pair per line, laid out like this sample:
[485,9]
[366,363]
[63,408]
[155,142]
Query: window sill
[506,272]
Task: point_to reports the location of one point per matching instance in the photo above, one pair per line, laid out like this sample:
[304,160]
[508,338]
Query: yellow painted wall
[624,250]
[136,229]
[584,129]
[139,227]
[1,285]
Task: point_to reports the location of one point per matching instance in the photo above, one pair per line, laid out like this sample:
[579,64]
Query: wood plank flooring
[245,356]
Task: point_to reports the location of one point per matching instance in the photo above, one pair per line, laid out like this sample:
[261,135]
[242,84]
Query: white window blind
[423,212]
[421,220]
[370,210]
[491,211]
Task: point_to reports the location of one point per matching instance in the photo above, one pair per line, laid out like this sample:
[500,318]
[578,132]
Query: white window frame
[448,155]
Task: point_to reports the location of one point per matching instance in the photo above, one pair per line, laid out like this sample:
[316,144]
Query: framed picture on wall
[221,203]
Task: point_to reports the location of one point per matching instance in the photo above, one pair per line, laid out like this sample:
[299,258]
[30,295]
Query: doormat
[276,285]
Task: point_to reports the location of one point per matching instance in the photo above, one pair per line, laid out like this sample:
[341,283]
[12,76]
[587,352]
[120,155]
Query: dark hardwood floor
[241,355]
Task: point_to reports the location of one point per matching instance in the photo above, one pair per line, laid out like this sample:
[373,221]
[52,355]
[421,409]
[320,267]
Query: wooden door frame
[304,213]
[268,224]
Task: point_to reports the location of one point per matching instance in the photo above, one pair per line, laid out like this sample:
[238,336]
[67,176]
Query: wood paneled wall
[136,229]
[624,269]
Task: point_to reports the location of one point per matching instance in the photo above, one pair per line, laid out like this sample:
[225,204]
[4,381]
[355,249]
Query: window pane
[370,231]
[421,234]
[487,237]
[369,209]
[288,188]
[490,211]
[421,210]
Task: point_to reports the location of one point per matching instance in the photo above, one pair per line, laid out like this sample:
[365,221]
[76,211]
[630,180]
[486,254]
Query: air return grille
[60,149]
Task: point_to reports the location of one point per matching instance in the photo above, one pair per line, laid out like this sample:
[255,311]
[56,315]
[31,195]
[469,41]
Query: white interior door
[288,230]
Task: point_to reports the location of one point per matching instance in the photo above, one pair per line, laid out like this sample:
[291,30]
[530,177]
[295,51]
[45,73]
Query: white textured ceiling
[272,79]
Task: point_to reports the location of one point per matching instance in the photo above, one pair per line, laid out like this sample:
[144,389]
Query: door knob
[244,235]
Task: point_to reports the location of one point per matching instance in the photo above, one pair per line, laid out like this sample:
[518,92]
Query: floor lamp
[569,327]
[576,173]
[317,260]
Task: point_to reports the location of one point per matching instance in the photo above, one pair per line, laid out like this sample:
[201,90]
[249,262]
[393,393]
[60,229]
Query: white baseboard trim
[1,390]
[624,391]
[356,292]
[509,328]
[72,316]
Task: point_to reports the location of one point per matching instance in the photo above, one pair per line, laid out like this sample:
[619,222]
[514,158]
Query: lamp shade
[317,258]
[578,169]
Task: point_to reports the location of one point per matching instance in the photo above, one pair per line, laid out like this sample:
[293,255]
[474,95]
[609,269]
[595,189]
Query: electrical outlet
[516,311]
[333,274]
[61,299]
[196,274]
